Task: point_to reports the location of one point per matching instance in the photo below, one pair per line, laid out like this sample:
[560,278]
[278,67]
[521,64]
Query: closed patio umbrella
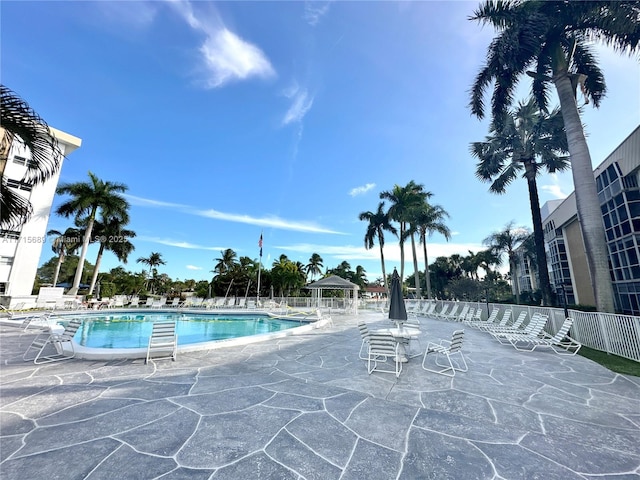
[397,310]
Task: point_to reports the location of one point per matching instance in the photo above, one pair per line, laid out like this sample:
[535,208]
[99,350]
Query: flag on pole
[260,245]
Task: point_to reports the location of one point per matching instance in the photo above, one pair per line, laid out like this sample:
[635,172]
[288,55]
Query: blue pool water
[132,330]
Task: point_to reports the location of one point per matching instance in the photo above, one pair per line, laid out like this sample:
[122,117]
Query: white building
[20,249]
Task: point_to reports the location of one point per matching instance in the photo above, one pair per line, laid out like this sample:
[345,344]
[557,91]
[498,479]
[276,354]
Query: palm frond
[25,126]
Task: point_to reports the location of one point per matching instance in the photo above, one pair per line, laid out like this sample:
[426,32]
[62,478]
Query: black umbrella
[397,310]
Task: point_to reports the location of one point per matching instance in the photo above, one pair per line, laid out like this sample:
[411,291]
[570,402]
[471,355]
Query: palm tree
[553,39]
[87,199]
[506,241]
[154,260]
[20,123]
[112,236]
[427,220]
[378,223]
[524,135]
[226,261]
[314,267]
[403,201]
[62,245]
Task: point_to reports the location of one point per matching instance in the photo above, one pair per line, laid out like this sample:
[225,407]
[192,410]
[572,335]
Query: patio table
[402,335]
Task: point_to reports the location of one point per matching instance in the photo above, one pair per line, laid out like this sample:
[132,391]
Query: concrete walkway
[304,407]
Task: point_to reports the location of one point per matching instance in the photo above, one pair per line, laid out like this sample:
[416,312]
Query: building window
[3,288]
[19,160]
[10,234]
[6,260]
[19,185]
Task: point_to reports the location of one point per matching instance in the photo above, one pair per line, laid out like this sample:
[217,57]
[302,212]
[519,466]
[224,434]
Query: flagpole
[259,268]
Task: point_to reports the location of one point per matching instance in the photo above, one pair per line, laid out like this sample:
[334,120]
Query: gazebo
[335,283]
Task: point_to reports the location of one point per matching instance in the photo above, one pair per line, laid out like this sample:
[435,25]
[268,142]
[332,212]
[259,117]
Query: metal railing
[607,332]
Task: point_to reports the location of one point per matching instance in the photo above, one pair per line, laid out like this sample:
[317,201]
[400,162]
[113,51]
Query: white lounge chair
[447,348]
[533,329]
[561,340]
[49,346]
[514,327]
[163,340]
[506,317]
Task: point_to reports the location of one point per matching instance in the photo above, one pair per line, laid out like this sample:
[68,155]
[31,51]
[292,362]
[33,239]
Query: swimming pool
[132,330]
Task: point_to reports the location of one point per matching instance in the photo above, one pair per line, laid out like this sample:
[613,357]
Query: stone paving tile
[303,407]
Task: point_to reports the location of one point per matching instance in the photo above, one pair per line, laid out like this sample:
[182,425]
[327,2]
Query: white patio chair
[382,348]
[163,340]
[49,346]
[447,349]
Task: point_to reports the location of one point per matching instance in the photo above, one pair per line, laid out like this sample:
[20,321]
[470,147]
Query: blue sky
[230,119]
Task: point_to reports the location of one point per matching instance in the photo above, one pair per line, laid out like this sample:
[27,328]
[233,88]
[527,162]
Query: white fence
[611,333]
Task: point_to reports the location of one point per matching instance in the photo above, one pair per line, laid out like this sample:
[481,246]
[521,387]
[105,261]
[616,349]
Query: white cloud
[147,202]
[314,11]
[193,267]
[554,189]
[178,243]
[270,221]
[136,15]
[362,189]
[227,57]
[301,103]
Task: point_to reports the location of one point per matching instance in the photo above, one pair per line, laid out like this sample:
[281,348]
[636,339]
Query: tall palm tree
[505,242]
[378,222]
[427,220]
[112,235]
[524,135]
[226,261]
[20,123]
[550,42]
[62,245]
[314,267]
[403,201]
[154,260]
[87,199]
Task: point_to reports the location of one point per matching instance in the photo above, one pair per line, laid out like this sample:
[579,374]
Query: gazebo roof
[333,282]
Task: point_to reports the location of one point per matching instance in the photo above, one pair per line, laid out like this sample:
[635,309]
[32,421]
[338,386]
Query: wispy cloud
[178,243]
[301,102]
[193,267]
[269,221]
[314,11]
[362,189]
[227,57]
[147,202]
[554,189]
[133,14]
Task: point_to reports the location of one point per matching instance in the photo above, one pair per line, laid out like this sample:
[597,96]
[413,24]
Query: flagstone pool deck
[304,407]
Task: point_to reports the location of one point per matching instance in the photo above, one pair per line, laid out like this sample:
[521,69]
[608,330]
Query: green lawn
[612,362]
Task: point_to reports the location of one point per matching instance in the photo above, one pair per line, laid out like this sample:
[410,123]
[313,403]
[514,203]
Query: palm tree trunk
[83,254]
[426,269]
[402,228]
[538,234]
[94,277]
[415,267]
[514,279]
[588,205]
[384,272]
[56,273]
